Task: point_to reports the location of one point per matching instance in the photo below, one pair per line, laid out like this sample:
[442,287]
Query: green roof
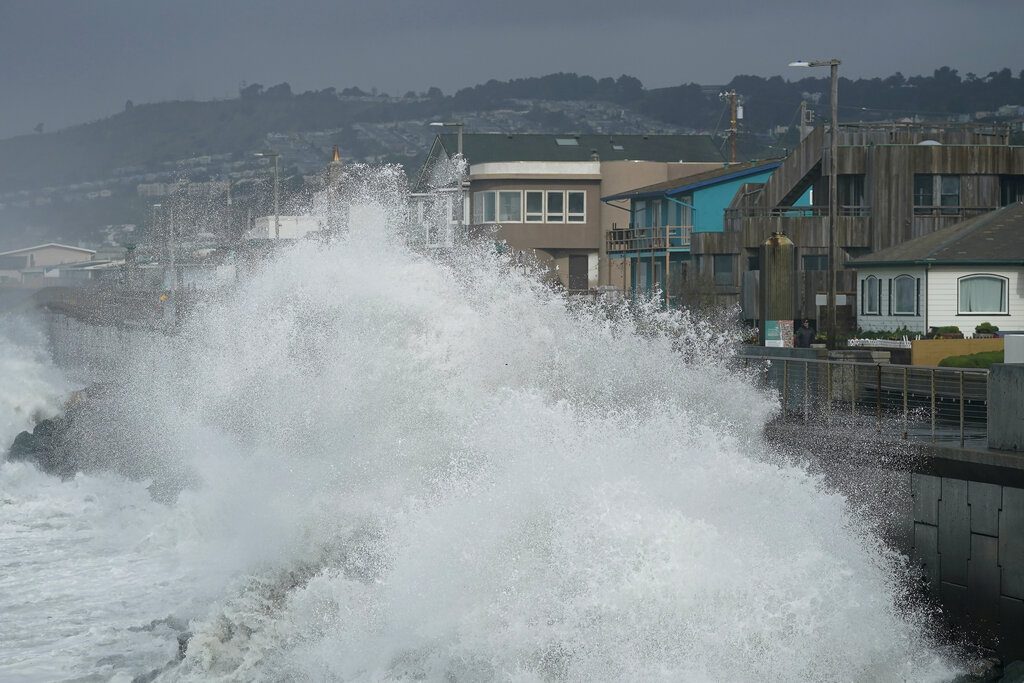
[482,148]
[995,238]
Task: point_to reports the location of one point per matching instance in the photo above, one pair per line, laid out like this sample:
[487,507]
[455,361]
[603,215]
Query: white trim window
[871,295]
[484,208]
[510,206]
[577,205]
[982,294]
[555,206]
[534,206]
[904,295]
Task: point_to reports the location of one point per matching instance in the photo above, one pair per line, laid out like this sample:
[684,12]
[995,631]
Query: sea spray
[423,467]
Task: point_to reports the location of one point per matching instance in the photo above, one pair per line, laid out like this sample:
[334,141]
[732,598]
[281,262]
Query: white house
[968,273]
[29,264]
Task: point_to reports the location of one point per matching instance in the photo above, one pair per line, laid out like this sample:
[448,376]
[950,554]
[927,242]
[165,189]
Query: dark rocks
[45,446]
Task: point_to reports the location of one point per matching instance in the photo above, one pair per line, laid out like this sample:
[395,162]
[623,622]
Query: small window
[534,207]
[567,142]
[871,295]
[936,192]
[556,207]
[510,207]
[982,294]
[814,262]
[483,207]
[723,269]
[577,207]
[1011,189]
[904,295]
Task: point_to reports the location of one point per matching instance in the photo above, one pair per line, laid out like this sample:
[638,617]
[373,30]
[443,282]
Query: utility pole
[833,187]
[277,217]
[733,122]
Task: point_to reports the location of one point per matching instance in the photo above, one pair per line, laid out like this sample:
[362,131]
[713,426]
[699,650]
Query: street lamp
[833,188]
[277,218]
[451,124]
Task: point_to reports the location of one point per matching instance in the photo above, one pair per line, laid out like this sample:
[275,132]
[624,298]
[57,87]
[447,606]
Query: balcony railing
[645,239]
[796,212]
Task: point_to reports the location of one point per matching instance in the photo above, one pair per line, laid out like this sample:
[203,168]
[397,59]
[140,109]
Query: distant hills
[108,159]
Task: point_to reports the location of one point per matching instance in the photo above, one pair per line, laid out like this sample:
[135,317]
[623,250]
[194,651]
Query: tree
[281,91]
[251,91]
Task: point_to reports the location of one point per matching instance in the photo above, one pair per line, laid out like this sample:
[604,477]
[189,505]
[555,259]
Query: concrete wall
[1006,407]
[930,351]
[969,541]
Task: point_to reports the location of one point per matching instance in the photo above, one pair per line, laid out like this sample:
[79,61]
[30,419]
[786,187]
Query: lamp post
[833,188]
[452,124]
[277,218]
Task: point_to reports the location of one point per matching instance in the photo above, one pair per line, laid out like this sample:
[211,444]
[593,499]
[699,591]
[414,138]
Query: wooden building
[896,182]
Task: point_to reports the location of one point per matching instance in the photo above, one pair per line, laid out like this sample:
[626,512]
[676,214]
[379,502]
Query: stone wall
[969,540]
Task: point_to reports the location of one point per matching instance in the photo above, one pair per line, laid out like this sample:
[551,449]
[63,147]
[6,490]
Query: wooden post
[878,397]
[933,404]
[906,417]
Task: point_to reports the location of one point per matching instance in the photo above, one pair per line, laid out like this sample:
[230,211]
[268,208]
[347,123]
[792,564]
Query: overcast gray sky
[66,62]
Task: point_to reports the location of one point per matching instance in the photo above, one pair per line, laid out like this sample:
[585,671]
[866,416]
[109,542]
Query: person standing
[804,336]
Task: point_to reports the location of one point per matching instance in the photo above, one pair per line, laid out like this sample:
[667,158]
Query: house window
[723,269]
[815,262]
[871,296]
[556,207]
[534,207]
[981,294]
[577,207]
[904,295]
[932,191]
[510,207]
[1011,189]
[483,207]
[851,190]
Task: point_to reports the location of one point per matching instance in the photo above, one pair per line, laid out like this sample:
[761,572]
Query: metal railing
[853,210]
[642,239]
[922,403]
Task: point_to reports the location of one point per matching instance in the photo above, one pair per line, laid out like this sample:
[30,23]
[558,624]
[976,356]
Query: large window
[577,202]
[510,207]
[723,269]
[870,295]
[936,192]
[904,295]
[978,294]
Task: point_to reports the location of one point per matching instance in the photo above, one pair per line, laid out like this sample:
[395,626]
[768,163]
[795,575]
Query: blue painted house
[663,218]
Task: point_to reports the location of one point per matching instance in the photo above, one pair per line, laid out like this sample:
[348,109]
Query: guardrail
[795,211]
[643,239]
[926,403]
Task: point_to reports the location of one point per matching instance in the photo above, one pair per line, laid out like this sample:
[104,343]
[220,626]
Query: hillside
[68,184]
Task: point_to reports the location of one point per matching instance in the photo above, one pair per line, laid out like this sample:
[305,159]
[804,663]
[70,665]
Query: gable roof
[993,238]
[25,250]
[697,181]
[482,148]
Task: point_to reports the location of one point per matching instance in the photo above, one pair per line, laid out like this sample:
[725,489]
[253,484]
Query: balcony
[857,211]
[672,237]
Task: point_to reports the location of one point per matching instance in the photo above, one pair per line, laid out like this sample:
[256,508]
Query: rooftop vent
[567,142]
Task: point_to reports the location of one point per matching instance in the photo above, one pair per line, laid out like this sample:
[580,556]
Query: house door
[578,272]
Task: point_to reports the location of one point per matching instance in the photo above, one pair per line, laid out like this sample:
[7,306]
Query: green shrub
[972,360]
[986,328]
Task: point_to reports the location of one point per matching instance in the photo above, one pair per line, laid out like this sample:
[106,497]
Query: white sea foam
[408,468]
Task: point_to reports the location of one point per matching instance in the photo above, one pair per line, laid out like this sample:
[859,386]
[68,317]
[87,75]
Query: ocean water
[400,467]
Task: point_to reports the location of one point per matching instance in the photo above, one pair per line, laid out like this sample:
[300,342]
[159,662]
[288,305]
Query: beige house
[25,266]
[541,194]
